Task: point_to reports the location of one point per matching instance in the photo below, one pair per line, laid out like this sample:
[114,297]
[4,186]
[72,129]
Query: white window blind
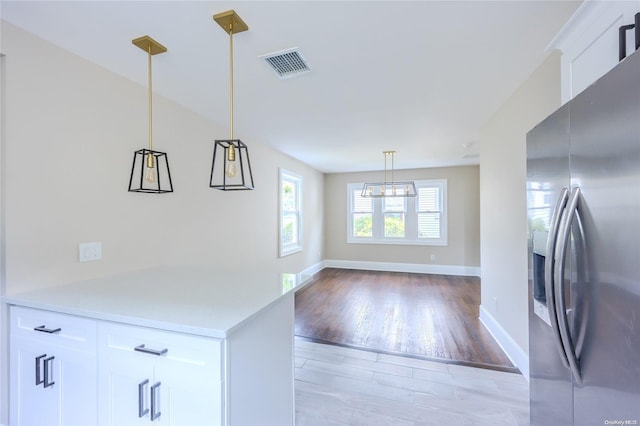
[429,212]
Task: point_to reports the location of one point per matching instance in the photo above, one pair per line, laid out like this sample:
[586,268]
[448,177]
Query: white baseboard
[313,269]
[420,268]
[515,353]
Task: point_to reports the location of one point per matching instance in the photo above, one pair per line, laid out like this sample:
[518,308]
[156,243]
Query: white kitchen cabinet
[156,376]
[53,375]
[589,43]
[167,346]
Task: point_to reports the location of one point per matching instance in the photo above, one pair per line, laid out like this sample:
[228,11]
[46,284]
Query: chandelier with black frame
[389,188]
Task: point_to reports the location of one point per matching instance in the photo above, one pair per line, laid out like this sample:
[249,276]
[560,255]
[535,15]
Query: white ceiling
[418,77]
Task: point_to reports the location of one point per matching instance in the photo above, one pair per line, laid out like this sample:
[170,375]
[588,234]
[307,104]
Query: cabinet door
[31,403]
[590,43]
[53,377]
[169,378]
[124,389]
[190,394]
[51,385]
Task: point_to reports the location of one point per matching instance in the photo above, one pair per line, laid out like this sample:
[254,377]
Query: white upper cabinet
[589,42]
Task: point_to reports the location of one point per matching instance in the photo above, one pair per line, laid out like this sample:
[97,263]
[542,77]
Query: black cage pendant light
[150,170]
[231,168]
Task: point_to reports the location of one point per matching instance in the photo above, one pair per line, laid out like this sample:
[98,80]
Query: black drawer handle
[44,329]
[157,352]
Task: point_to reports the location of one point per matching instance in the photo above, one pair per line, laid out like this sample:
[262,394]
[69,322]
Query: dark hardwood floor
[419,315]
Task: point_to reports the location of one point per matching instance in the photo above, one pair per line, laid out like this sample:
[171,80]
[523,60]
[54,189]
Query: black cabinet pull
[155,401]
[48,371]
[44,329]
[637,30]
[142,410]
[39,379]
[622,40]
[157,352]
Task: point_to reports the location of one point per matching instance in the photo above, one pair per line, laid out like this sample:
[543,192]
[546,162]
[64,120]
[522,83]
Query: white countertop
[201,301]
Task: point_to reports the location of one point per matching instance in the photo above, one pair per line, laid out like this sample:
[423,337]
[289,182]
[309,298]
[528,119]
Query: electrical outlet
[433,257]
[88,252]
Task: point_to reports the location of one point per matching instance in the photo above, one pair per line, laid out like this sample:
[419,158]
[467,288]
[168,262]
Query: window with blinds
[361,215]
[398,220]
[429,206]
[290,213]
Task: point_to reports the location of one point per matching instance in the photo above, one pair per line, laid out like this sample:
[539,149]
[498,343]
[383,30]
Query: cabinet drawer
[123,341]
[55,328]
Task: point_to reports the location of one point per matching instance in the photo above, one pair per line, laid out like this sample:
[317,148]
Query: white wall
[463,221]
[503,224]
[69,132]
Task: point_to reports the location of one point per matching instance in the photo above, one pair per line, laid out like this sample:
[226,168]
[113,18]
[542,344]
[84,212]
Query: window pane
[428,225]
[289,228]
[361,204]
[394,225]
[290,214]
[395,204]
[362,225]
[428,199]
[289,196]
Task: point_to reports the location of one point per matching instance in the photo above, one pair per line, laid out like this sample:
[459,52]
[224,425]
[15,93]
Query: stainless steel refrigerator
[583,201]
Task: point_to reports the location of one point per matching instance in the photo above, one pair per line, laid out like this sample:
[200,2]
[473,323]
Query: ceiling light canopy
[231,168]
[389,188]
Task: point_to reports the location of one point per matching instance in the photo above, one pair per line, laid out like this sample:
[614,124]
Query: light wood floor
[420,315]
[338,386]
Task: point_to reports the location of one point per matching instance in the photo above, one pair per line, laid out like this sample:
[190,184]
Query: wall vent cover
[287,63]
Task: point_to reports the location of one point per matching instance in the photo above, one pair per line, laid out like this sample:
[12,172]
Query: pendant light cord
[231,77]
[150,104]
[385,168]
[388,154]
[392,167]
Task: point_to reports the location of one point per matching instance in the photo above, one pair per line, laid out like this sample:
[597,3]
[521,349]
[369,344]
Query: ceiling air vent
[287,63]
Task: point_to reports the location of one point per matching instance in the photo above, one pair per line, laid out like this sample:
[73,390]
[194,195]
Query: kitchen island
[178,346]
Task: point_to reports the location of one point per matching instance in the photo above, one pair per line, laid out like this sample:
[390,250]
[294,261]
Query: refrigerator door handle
[549,272]
[564,232]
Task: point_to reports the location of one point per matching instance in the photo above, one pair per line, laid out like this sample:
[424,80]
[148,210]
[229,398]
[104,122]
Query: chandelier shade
[231,180]
[156,179]
[402,188]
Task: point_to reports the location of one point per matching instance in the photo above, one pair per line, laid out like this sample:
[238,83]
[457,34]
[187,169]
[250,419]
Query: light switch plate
[90,251]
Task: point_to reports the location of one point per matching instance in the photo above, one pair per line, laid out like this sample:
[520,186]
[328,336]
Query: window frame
[411,217]
[286,249]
